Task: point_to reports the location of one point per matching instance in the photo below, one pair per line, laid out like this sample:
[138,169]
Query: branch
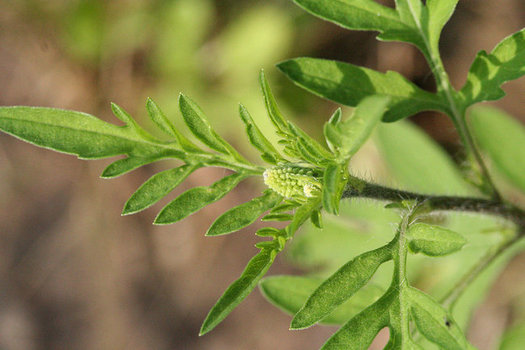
[360,188]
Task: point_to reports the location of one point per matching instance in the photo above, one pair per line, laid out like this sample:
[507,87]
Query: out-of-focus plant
[306,180]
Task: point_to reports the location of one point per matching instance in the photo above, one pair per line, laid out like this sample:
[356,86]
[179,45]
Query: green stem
[360,188]
[457,113]
[457,290]
[399,280]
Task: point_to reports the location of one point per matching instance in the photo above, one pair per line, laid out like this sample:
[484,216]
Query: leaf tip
[150,104]
[205,328]
[213,231]
[242,109]
[262,75]
[284,66]
[159,220]
[106,174]
[128,210]
[300,321]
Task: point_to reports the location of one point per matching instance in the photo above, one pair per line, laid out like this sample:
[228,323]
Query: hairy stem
[360,188]
[457,114]
[400,276]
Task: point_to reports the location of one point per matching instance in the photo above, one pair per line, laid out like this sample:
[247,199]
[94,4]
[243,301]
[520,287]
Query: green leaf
[196,198]
[245,214]
[332,185]
[348,84]
[201,127]
[410,21]
[316,218]
[513,338]
[339,287]
[418,162]
[439,12]
[268,232]
[239,289]
[156,187]
[336,117]
[503,139]
[290,292]
[348,136]
[344,237]
[489,71]
[479,289]
[78,133]
[124,116]
[333,121]
[131,124]
[257,138]
[277,217]
[285,206]
[271,106]
[124,165]
[434,322]
[158,117]
[302,214]
[360,331]
[309,148]
[275,244]
[363,15]
[434,240]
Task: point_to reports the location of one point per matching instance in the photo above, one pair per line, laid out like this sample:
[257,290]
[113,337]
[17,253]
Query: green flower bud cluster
[293,181]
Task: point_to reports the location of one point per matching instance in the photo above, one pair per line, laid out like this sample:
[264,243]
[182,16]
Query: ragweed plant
[304,178]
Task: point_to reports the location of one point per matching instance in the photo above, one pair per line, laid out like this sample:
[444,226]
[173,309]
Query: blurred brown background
[74,274]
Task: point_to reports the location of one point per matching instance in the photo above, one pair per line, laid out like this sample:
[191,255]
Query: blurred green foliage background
[76,275]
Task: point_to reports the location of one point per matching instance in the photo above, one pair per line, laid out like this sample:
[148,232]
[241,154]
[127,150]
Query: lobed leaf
[158,117]
[257,138]
[364,15]
[433,240]
[201,127]
[302,214]
[156,187]
[309,148]
[349,135]
[245,214]
[439,12]
[503,139]
[271,106]
[285,206]
[360,331]
[316,218]
[333,121]
[332,187]
[268,232]
[124,116]
[239,289]
[78,133]
[349,84]
[290,292]
[340,286]
[489,71]
[196,198]
[434,322]
[124,165]
[277,217]
[336,117]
